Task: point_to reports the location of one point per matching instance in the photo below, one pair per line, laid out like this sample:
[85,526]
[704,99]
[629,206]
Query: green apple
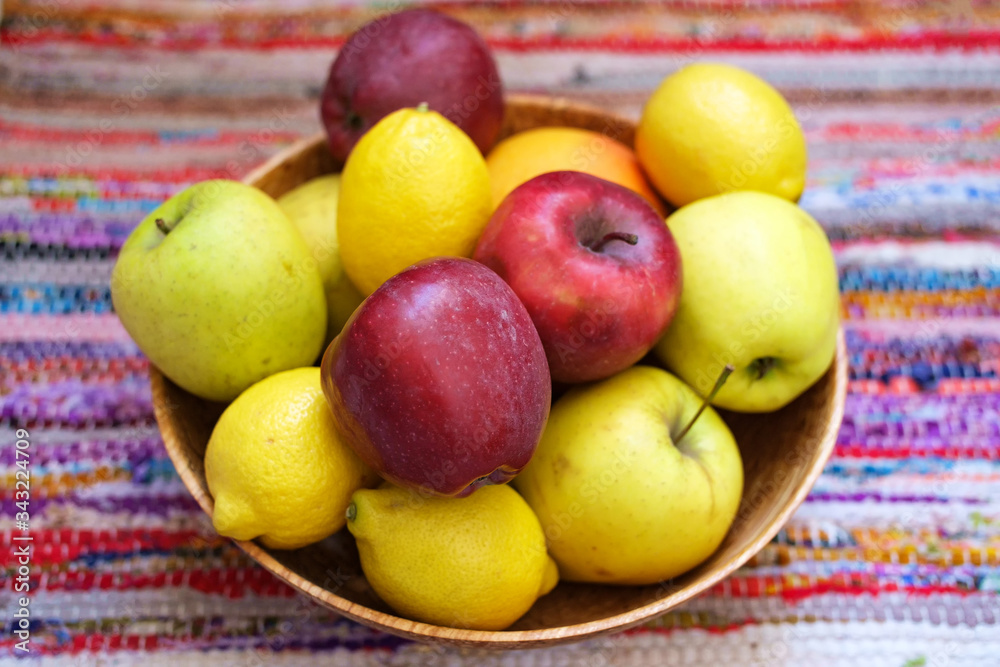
[218,289]
[760,293]
[622,500]
[313,208]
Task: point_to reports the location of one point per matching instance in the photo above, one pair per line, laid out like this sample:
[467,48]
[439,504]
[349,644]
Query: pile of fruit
[457,295]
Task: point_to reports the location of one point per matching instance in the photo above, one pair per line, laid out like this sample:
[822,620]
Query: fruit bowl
[783,454]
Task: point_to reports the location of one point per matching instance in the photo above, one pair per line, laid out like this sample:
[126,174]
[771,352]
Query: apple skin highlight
[439,380]
[599,302]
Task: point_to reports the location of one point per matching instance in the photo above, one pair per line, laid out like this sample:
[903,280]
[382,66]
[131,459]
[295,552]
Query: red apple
[400,60]
[593,263]
[439,380]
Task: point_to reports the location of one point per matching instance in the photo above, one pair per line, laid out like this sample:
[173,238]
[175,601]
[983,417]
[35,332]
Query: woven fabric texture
[108,108]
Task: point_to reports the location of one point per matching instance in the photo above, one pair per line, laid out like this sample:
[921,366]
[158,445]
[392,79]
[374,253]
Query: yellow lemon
[276,466]
[312,207]
[476,563]
[713,128]
[414,187]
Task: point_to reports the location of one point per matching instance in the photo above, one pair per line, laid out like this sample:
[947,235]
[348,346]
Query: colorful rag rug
[108,108]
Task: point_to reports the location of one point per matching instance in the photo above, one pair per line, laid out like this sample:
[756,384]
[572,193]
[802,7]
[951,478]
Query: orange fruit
[524,155]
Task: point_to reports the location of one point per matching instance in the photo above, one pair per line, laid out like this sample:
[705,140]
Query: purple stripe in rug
[155,505]
[875,496]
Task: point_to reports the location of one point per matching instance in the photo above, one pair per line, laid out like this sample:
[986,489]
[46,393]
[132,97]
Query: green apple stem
[161,224]
[630,239]
[723,376]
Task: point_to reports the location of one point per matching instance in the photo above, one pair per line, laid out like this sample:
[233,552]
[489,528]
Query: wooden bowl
[783,455]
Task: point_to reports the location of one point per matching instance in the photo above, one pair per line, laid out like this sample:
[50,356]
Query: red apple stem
[161,224]
[630,239]
[723,376]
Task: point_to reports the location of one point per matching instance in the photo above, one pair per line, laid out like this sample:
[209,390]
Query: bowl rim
[509,639]
[500,639]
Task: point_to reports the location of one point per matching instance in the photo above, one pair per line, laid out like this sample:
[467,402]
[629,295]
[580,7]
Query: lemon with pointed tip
[477,563]
[414,187]
[277,468]
[712,128]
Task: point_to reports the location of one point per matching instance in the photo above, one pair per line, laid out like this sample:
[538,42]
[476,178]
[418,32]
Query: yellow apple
[312,206]
[620,499]
[217,288]
[760,293]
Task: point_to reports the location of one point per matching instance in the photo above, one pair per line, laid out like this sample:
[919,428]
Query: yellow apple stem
[161,224]
[422,106]
[630,239]
[723,376]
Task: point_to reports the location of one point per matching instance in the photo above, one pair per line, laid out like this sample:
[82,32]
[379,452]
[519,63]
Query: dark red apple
[400,60]
[439,380]
[593,263]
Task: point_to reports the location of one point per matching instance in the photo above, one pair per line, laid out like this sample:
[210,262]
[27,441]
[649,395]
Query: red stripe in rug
[939,40]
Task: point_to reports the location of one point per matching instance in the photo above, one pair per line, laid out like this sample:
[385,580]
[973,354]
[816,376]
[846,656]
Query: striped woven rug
[108,108]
